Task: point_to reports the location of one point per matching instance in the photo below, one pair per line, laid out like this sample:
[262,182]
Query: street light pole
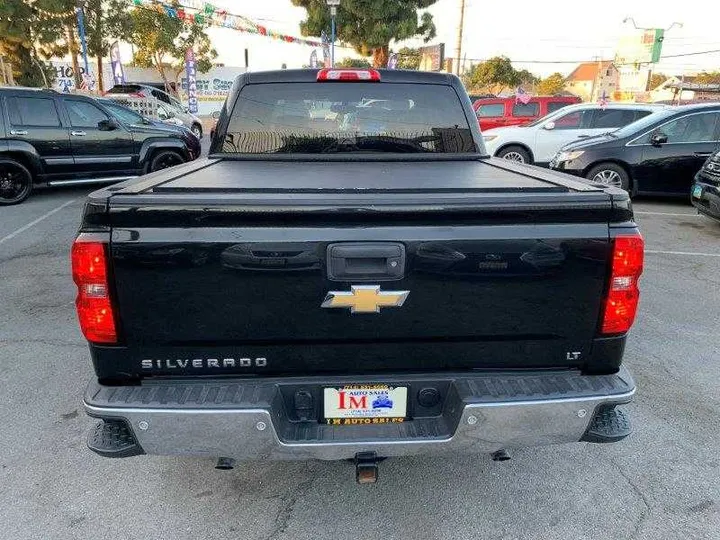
[333,13]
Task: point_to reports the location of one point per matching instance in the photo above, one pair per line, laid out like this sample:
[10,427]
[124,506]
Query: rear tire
[515,153]
[16,182]
[610,174]
[165,159]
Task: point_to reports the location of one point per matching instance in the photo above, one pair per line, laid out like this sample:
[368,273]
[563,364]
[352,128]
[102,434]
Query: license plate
[365,404]
[697,192]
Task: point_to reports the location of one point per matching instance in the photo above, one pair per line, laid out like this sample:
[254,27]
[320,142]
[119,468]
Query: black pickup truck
[350,276]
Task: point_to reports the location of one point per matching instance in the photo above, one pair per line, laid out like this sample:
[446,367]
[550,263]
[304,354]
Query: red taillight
[623,293]
[89,269]
[358,75]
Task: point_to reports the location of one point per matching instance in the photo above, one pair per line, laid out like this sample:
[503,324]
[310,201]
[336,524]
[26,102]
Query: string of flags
[208,14]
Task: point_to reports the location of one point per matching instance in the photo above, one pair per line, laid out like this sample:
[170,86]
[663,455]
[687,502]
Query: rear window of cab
[332,117]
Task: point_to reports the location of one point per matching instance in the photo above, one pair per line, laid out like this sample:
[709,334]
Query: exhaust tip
[225,464]
[501,455]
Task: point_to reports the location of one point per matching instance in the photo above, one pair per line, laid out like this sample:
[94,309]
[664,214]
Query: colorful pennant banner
[208,14]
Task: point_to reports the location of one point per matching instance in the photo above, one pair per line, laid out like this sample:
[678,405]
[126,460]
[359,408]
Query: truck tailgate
[494,275]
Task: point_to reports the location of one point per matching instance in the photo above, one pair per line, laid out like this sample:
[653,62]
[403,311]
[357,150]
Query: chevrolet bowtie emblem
[364,299]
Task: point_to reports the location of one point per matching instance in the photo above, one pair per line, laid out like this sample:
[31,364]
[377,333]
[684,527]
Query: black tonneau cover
[390,177]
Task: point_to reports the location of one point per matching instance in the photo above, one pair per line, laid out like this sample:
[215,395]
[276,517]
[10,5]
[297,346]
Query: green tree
[370,25]
[409,58]
[105,21]
[24,41]
[353,63]
[525,77]
[551,85]
[161,42]
[492,75]
[58,35]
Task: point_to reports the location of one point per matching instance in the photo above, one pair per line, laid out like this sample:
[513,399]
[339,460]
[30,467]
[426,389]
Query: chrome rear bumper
[249,419]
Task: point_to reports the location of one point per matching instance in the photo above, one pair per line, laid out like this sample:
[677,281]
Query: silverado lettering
[169,363]
[359,187]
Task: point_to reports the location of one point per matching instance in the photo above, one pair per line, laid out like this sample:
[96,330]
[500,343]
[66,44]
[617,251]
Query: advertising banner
[191,73]
[116,64]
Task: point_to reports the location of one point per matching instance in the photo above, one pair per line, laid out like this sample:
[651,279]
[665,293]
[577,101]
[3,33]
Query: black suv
[705,194]
[658,155]
[48,138]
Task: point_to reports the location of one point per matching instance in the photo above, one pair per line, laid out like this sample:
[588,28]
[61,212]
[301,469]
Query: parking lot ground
[661,483]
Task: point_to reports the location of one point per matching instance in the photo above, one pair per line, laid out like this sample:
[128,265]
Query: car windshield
[644,123]
[126,116]
[321,118]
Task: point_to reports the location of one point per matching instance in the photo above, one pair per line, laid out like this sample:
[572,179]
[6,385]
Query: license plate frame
[364,404]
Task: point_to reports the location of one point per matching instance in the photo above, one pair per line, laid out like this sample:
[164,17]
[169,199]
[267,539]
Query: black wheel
[197,130]
[610,174]
[164,159]
[515,153]
[16,182]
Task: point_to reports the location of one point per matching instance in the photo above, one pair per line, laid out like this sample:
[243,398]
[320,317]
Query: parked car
[47,138]
[508,111]
[705,195]
[540,140]
[129,117]
[342,307]
[147,90]
[151,107]
[659,154]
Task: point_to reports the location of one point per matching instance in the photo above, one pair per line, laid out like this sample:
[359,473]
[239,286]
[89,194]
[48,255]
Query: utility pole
[458,46]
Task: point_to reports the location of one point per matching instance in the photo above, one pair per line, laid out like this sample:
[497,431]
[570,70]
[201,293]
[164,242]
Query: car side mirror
[108,125]
[216,115]
[549,126]
[658,139]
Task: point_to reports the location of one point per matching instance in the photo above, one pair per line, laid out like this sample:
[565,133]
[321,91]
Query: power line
[695,53]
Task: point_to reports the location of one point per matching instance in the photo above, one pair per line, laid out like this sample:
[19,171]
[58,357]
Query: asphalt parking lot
[662,482]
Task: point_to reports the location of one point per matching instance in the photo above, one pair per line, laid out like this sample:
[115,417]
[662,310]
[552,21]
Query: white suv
[538,142]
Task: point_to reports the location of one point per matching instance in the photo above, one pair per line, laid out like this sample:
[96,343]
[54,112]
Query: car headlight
[488,138]
[569,156]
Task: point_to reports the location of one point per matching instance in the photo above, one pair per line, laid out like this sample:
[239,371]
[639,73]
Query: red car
[508,111]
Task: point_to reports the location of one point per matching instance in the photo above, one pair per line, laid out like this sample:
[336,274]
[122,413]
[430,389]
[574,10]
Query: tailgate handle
[366,261]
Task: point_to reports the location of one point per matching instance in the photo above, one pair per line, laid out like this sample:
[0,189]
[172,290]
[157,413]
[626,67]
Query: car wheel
[16,182]
[515,153]
[610,174]
[164,159]
[196,130]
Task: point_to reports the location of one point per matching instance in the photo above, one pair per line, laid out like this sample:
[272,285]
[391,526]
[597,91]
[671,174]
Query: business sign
[432,57]
[116,64]
[191,73]
[640,47]
[65,77]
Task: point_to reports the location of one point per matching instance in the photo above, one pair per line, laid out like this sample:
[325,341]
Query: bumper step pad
[113,438]
[609,425]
